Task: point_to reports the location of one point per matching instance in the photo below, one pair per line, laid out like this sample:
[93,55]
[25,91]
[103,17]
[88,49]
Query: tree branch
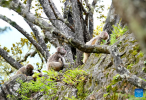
[15,25]
[61,19]
[84,10]
[77,20]
[94,3]
[15,4]
[87,4]
[51,38]
[79,28]
[44,25]
[57,23]
[32,54]
[89,17]
[79,45]
[9,59]
[28,5]
[39,38]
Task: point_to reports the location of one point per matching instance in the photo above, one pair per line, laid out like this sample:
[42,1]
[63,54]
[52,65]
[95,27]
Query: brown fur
[96,41]
[27,70]
[56,61]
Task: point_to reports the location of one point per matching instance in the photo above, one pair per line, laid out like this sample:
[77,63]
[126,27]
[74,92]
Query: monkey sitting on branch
[26,70]
[95,41]
[57,60]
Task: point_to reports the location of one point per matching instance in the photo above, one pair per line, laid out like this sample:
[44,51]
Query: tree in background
[75,28]
[72,30]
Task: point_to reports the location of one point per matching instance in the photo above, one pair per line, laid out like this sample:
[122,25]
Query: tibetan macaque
[27,70]
[96,41]
[57,61]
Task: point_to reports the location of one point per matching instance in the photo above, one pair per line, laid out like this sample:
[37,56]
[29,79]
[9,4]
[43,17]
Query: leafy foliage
[76,78]
[117,32]
[73,77]
[98,29]
[47,84]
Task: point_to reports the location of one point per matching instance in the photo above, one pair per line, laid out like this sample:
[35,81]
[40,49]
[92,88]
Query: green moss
[136,47]
[114,96]
[97,55]
[144,69]
[122,49]
[137,60]
[80,88]
[141,54]
[133,41]
[142,79]
[107,75]
[134,52]
[114,89]
[136,73]
[76,78]
[125,41]
[130,51]
[108,88]
[130,66]
[119,45]
[123,56]
[115,78]
[105,95]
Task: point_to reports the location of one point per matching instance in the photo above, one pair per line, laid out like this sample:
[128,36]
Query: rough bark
[60,26]
[51,38]
[81,46]
[68,16]
[9,59]
[49,8]
[39,38]
[78,29]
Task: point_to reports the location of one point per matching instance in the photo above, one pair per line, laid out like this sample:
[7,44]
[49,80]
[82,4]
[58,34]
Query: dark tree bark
[83,30]
[76,27]
[68,16]
[9,59]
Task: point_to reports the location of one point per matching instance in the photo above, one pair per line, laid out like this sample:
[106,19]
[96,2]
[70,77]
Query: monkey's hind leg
[57,66]
[86,55]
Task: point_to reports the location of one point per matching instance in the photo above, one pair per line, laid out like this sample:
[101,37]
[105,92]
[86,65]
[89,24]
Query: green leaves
[42,84]
[117,32]
[73,77]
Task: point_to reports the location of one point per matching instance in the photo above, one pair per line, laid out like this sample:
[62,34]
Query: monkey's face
[104,35]
[62,51]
